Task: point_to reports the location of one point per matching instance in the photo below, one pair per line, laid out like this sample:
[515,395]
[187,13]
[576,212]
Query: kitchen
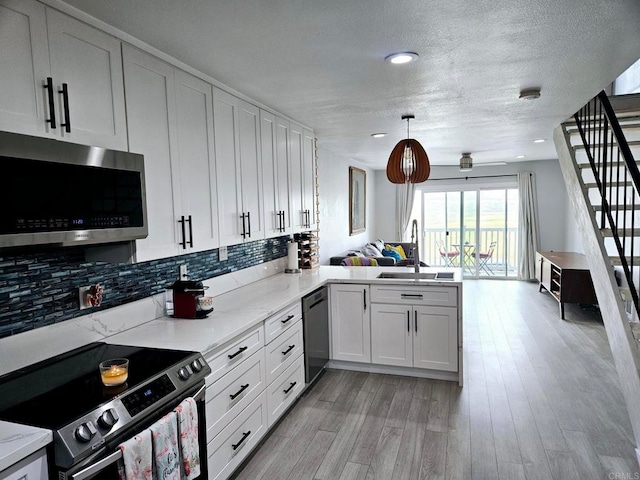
[145,101]
[241,210]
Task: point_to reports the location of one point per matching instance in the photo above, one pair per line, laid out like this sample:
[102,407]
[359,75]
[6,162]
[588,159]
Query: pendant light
[408,162]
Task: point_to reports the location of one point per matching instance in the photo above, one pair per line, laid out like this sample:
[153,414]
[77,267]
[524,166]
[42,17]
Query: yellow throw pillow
[397,248]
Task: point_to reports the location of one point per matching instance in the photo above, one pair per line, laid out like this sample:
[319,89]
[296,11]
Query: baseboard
[392,370]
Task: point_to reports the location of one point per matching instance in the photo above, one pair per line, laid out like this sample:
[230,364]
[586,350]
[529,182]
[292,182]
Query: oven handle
[115,456]
[96,467]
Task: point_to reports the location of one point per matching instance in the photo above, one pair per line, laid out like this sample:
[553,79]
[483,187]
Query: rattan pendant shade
[408,162]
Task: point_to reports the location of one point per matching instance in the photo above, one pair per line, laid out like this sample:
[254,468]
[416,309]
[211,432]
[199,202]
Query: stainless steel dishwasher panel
[315,321]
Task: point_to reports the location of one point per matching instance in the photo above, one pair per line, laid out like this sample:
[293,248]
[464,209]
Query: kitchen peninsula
[395,309]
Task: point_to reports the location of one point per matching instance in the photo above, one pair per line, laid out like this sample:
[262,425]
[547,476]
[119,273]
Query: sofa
[366,251]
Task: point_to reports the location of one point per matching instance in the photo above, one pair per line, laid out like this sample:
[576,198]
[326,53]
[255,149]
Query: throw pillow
[379,244]
[371,251]
[391,253]
[397,248]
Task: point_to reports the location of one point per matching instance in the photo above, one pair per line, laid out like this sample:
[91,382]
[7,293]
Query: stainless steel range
[65,394]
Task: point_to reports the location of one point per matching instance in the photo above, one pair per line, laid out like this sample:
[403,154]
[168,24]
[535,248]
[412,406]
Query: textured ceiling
[321,62]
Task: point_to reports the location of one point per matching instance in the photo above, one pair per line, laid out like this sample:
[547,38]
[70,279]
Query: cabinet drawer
[281,321]
[283,352]
[226,451]
[237,389]
[408,295]
[222,361]
[285,389]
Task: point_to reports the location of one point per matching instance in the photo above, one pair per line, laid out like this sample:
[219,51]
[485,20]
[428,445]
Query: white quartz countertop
[240,309]
[20,441]
[234,313]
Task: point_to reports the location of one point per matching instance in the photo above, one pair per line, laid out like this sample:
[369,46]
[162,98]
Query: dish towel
[164,436]
[188,430]
[136,461]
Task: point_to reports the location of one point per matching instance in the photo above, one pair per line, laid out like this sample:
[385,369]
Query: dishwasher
[315,323]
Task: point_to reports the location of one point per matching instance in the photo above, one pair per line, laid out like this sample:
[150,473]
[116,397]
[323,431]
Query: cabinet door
[391,335]
[298,220]
[308,178]
[24,57]
[435,344]
[152,132]
[194,106]
[225,123]
[251,170]
[283,190]
[350,326]
[272,217]
[90,63]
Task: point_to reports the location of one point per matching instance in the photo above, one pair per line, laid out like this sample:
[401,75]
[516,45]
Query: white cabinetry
[238,154]
[59,72]
[176,139]
[274,133]
[34,467]
[350,324]
[415,331]
[302,146]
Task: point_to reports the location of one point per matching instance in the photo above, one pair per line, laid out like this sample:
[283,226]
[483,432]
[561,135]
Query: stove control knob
[196,365]
[184,373]
[85,431]
[108,418]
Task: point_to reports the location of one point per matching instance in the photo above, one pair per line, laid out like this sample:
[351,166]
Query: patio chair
[449,256]
[484,257]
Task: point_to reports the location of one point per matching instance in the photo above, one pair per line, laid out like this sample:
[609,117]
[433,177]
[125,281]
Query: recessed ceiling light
[378,135]
[400,58]
[530,94]
[520,156]
[539,140]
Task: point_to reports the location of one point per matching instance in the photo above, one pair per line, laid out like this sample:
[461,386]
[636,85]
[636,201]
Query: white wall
[558,230]
[333,188]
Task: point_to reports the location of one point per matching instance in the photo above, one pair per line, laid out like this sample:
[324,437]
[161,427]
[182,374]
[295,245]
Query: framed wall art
[357,200]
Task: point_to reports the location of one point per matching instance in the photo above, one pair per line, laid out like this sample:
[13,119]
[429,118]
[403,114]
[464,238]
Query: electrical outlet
[182,269]
[223,254]
[82,297]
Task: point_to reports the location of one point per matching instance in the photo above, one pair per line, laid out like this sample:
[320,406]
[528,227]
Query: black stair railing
[617,177]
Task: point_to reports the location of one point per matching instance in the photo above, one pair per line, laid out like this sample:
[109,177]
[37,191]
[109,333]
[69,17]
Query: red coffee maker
[186,299]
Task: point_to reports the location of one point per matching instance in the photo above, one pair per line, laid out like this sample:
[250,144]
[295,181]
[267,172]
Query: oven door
[103,465]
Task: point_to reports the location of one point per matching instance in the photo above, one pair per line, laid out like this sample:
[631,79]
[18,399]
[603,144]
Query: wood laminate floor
[540,400]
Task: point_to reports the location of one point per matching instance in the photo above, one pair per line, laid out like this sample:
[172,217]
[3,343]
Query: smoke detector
[466,162]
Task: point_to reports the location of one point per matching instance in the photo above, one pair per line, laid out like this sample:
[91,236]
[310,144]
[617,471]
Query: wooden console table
[566,276]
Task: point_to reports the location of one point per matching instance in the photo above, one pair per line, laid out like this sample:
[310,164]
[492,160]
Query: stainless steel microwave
[54,192]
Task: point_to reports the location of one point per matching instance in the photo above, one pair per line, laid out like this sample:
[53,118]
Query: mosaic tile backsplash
[41,287]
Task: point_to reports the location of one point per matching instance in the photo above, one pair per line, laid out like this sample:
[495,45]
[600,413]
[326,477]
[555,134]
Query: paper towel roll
[292,259]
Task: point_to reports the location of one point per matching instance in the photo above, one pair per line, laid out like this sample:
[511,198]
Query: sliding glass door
[473,228]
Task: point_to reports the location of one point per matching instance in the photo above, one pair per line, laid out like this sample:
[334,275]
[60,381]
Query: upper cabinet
[274,133]
[62,78]
[239,165]
[170,121]
[302,175]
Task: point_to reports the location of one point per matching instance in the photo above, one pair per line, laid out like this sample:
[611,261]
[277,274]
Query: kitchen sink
[417,276]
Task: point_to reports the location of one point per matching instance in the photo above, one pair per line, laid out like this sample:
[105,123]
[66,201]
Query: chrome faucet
[416,255]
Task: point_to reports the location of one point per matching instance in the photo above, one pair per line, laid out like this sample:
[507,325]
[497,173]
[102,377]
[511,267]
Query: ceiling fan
[466,163]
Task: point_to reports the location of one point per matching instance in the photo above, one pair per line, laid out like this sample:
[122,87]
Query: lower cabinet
[230,447]
[415,336]
[350,323]
[255,378]
[34,467]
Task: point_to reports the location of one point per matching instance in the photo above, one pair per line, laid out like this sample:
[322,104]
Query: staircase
[597,150]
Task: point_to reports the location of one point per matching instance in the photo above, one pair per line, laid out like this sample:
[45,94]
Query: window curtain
[404,205]
[527,226]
